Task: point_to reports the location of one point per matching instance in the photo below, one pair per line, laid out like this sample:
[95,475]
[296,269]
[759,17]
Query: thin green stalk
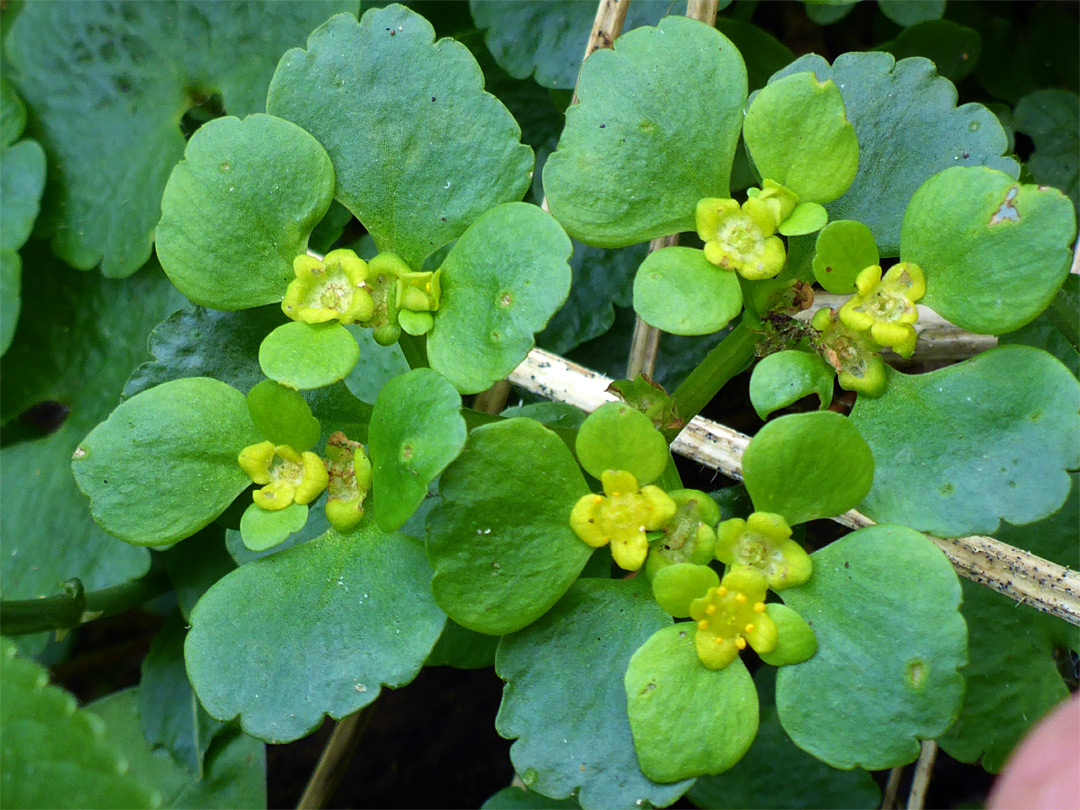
[74,607]
[730,356]
[414,349]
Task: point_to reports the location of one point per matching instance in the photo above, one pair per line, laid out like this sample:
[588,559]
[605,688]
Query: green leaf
[994,252]
[1050,118]
[678,290]
[649,397]
[283,416]
[304,355]
[419,149]
[547,39]
[884,602]
[552,414]
[798,134]
[617,437]
[844,249]
[501,282]
[170,714]
[416,430]
[462,648]
[316,526]
[10,296]
[797,641]
[107,104]
[807,218]
[909,128]
[21,184]
[564,700]
[954,49]
[163,465]
[687,720]
[199,342]
[196,564]
[239,208]
[500,539]
[1012,677]
[827,12]
[807,466]
[629,169]
[764,54]
[12,113]
[376,367]
[910,12]
[784,378]
[58,755]
[337,618]
[261,529]
[515,798]
[235,775]
[961,447]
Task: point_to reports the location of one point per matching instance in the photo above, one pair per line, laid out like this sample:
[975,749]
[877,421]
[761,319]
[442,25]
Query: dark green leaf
[786,377]
[12,113]
[196,564]
[377,365]
[515,798]
[679,291]
[910,12]
[462,648]
[21,184]
[10,296]
[952,48]
[763,53]
[1050,118]
[304,355]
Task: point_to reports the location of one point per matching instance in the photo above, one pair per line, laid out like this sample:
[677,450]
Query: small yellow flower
[886,306]
[621,517]
[350,480]
[854,355]
[331,289]
[741,238]
[731,616]
[288,477]
[763,542]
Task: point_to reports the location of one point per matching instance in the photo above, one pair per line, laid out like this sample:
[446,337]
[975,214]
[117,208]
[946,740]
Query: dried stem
[332,762]
[610,16]
[892,787]
[1018,574]
[923,770]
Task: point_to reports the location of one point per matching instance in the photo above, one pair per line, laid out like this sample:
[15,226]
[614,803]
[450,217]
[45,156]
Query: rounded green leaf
[954,49]
[807,466]
[1049,117]
[909,128]
[654,132]
[305,355]
[501,283]
[419,149]
[910,12]
[783,378]
[163,465]
[958,448]
[239,208]
[808,217]
[564,700]
[315,630]
[500,540]
[283,416]
[261,529]
[678,290]
[844,249]
[687,720]
[884,602]
[416,430]
[21,185]
[798,134]
[12,113]
[796,641]
[376,367]
[10,296]
[994,252]
[676,586]
[618,437]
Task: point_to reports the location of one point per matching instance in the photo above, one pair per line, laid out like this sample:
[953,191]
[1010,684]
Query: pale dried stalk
[921,780]
[1018,574]
[892,787]
[610,16]
[332,763]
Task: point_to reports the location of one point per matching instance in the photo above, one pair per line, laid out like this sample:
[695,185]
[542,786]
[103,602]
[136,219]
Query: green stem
[730,356]
[74,607]
[414,349]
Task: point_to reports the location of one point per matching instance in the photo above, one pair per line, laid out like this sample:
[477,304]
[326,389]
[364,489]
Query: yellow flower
[763,542]
[288,476]
[853,354]
[886,306]
[621,517]
[350,480]
[741,238]
[331,289]
[731,616]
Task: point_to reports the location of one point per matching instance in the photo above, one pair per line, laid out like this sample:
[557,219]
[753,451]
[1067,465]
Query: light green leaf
[316,526]
[954,49]
[909,128]
[633,161]
[844,249]
[958,448]
[10,296]
[419,149]
[784,378]
[500,539]
[377,365]
[797,641]
[235,774]
[884,602]
[21,184]
[58,755]
[416,430]
[807,466]
[1050,118]
[798,135]
[501,282]
[239,208]
[114,94]
[314,630]
[679,291]
[282,415]
[910,12]
[564,699]
[687,720]
[304,355]
[261,529]
[994,252]
[807,218]
[163,465]
[617,437]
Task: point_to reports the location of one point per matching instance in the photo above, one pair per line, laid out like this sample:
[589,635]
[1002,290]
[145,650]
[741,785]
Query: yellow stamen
[710,610]
[759,607]
[719,640]
[703,625]
[749,628]
[740,642]
[740,597]
[721,591]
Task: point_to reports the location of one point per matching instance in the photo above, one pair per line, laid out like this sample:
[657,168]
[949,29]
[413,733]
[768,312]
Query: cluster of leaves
[468,549]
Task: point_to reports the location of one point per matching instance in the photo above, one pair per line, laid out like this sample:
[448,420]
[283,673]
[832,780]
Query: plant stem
[892,787]
[728,358]
[493,400]
[645,343]
[414,349]
[74,607]
[921,780]
[332,762]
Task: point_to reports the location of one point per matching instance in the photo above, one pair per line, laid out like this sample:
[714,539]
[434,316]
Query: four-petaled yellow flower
[288,476]
[886,306]
[742,238]
[731,616]
[331,289]
[854,355]
[621,517]
[763,542]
